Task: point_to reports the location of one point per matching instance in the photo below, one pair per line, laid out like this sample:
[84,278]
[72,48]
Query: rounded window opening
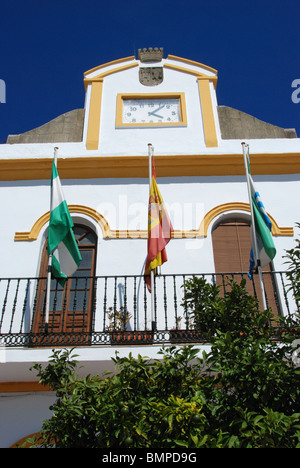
[71,306]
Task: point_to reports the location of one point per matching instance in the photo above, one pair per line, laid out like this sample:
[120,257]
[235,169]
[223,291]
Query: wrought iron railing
[114,310]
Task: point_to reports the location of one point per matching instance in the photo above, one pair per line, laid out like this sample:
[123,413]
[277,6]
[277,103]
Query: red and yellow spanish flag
[159,230]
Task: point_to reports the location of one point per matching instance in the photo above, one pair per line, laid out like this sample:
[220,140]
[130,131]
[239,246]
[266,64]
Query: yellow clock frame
[121,97]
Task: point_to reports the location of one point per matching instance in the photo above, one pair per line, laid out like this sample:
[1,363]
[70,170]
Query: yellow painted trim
[113,62]
[206,103]
[93,132]
[184,70]
[209,126]
[17,387]
[109,72]
[92,140]
[119,69]
[240,206]
[109,233]
[132,57]
[122,96]
[192,62]
[214,79]
[172,165]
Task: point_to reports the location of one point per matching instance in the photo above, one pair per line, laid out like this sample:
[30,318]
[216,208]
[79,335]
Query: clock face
[151,111]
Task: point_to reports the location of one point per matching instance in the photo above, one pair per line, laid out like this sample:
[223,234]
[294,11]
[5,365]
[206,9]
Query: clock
[151,110]
[148,110]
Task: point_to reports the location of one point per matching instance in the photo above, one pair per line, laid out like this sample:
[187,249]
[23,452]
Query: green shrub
[244,393]
[209,312]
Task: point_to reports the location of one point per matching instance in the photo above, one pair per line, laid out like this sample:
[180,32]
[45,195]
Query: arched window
[231,246]
[70,307]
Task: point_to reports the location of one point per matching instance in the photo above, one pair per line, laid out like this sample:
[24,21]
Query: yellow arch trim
[132,57]
[109,72]
[113,62]
[234,206]
[192,62]
[109,233]
[199,75]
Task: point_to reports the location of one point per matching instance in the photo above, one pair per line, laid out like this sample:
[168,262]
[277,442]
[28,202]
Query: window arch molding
[230,216]
[109,233]
[238,209]
[78,219]
[90,213]
[90,217]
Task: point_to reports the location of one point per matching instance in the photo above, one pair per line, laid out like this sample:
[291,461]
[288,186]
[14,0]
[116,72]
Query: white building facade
[170,103]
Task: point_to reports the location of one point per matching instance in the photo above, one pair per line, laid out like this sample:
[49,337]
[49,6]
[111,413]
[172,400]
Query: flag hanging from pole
[61,240]
[159,230]
[266,250]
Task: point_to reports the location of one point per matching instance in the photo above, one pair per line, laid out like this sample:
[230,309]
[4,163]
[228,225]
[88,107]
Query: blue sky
[47,46]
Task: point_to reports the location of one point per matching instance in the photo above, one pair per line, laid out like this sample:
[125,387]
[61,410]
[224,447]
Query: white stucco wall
[22,414]
[124,205]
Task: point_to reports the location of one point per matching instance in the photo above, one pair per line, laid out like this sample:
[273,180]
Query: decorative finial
[151,55]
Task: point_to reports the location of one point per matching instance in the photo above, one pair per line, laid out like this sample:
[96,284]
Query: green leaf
[257,419]
[232,440]
[181,443]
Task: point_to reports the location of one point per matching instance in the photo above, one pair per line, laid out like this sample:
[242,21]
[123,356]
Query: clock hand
[154,112]
[155,115]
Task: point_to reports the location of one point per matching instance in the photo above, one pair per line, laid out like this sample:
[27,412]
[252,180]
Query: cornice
[192,62]
[137,166]
[108,64]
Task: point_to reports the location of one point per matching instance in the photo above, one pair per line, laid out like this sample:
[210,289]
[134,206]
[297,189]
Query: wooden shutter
[231,247]
[231,244]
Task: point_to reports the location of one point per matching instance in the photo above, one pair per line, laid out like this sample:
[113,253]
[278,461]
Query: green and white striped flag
[262,225]
[61,240]
[264,241]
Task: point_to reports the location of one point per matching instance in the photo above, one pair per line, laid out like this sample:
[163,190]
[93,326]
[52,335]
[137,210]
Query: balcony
[114,310]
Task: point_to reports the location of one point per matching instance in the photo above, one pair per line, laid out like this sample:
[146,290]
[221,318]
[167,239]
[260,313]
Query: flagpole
[150,154]
[254,241]
[49,268]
